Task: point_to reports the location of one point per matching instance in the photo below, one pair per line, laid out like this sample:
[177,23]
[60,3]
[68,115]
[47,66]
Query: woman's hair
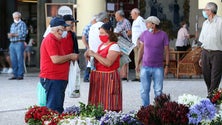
[109,30]
[182,23]
[112,36]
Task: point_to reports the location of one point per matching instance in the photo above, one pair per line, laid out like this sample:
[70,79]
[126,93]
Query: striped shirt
[20,29]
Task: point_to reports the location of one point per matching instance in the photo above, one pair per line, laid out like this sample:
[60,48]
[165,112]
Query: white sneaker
[5,70]
[10,70]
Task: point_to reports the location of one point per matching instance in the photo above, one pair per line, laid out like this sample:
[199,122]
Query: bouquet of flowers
[119,118]
[164,112]
[201,112]
[37,115]
[188,99]
[217,97]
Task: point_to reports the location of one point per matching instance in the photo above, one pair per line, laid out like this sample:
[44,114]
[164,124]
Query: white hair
[136,10]
[17,13]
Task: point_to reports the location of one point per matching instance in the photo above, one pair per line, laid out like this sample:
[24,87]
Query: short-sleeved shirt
[154,48]
[211,34]
[138,27]
[122,27]
[20,29]
[94,40]
[67,43]
[52,46]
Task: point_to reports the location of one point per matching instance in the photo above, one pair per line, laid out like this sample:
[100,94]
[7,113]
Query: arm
[84,42]
[56,59]
[109,60]
[140,55]
[167,52]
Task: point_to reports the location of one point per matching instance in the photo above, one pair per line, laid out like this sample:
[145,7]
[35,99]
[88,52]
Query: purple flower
[204,110]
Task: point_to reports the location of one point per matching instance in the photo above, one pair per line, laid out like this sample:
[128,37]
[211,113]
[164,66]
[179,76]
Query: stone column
[85,10]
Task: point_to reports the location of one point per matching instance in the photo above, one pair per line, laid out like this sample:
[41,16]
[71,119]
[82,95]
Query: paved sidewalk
[17,95]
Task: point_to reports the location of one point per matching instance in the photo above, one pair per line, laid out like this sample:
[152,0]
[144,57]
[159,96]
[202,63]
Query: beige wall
[86,9]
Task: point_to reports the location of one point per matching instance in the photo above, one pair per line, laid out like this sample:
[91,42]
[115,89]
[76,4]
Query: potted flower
[164,112]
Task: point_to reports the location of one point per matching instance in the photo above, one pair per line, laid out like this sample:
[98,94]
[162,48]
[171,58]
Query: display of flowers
[189,110]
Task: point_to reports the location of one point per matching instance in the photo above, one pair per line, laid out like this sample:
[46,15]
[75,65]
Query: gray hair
[136,10]
[212,7]
[101,16]
[121,13]
[17,13]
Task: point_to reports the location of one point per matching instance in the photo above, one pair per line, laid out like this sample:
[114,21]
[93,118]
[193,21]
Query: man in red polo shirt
[54,65]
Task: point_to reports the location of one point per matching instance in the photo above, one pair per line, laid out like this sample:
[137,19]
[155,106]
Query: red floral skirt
[106,89]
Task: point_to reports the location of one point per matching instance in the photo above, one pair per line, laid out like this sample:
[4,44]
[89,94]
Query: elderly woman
[105,84]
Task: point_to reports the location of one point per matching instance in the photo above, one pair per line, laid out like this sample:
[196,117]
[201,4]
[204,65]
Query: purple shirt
[154,48]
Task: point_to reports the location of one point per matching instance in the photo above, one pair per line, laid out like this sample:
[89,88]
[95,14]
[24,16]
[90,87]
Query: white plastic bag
[74,80]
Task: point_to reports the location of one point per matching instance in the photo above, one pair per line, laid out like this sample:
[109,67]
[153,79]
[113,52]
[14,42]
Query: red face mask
[104,38]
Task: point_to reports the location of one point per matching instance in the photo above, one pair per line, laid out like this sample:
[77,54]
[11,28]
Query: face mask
[150,30]
[204,14]
[104,38]
[17,21]
[64,34]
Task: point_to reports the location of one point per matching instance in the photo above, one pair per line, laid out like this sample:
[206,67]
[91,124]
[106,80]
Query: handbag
[41,95]
[74,80]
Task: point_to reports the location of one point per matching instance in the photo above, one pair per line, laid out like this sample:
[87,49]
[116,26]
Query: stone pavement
[17,95]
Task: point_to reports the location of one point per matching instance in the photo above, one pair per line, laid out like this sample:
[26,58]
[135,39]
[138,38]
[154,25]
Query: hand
[165,70]
[137,69]
[90,53]
[10,35]
[74,56]
[200,63]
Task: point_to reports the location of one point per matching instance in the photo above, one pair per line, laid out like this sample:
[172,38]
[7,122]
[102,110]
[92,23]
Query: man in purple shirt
[151,52]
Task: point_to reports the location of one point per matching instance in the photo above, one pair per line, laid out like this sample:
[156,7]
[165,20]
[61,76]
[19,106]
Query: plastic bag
[74,80]
[41,95]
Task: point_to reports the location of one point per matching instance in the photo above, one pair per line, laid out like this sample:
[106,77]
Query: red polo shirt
[52,46]
[67,43]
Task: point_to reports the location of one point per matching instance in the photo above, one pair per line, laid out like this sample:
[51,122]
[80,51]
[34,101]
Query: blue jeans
[16,51]
[148,74]
[55,93]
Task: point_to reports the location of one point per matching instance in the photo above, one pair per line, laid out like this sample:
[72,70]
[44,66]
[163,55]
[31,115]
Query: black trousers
[212,69]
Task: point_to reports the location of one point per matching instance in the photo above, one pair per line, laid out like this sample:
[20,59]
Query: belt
[17,41]
[208,50]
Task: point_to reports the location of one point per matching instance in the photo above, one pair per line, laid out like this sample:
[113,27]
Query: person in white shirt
[183,36]
[94,40]
[138,27]
[211,55]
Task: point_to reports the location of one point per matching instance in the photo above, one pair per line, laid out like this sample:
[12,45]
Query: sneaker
[10,70]
[4,70]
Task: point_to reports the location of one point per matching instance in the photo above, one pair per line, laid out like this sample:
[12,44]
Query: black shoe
[12,78]
[20,78]
[124,78]
[136,80]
